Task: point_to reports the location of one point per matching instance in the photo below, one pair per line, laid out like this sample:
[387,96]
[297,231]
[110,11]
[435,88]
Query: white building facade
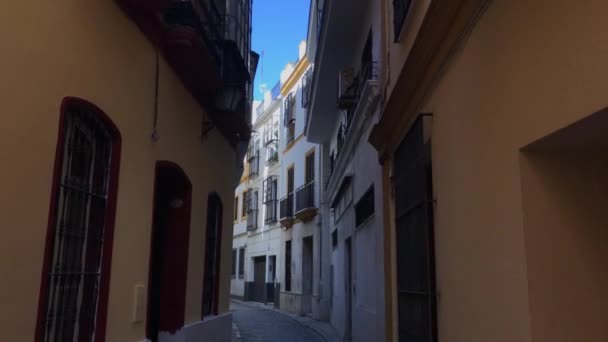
[346,40]
[299,193]
[257,235]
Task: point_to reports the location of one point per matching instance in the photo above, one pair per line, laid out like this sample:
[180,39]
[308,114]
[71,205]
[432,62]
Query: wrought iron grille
[287,206]
[270,198]
[252,210]
[290,106]
[305,197]
[400,10]
[253,158]
[272,152]
[415,242]
[306,87]
[74,276]
[254,166]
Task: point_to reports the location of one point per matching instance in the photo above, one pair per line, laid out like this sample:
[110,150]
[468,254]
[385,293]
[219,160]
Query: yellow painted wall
[527,69]
[90,49]
[565,199]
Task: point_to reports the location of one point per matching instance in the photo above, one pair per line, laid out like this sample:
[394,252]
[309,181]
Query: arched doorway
[169,250]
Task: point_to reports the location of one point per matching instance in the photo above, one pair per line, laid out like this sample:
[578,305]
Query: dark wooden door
[259,279]
[414,235]
[169,251]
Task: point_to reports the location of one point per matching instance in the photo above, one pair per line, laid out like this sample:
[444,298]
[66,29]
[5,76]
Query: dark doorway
[348,280]
[414,235]
[169,250]
[271,282]
[307,274]
[213,242]
[259,279]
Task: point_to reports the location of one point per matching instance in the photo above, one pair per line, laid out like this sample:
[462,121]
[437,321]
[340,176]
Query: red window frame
[110,215]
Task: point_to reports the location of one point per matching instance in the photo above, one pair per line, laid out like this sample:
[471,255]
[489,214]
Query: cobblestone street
[256,324]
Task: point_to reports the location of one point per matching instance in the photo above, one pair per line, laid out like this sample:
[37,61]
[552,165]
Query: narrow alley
[255,322]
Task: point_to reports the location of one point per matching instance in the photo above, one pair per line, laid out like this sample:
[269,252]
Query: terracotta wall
[93,51]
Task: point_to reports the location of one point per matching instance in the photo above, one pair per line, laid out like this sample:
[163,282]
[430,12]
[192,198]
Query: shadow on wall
[565,197]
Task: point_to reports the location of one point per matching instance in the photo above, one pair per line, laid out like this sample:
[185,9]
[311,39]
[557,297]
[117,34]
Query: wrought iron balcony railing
[367,73]
[286,207]
[305,197]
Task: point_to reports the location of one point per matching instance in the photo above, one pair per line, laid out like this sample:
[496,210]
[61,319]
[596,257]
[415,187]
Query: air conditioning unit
[346,88]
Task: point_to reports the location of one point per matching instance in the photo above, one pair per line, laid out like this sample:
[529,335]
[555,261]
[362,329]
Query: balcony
[305,202]
[271,211]
[252,219]
[286,213]
[364,93]
[209,49]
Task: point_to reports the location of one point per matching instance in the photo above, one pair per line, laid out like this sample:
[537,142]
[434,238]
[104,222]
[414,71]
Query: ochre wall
[527,69]
[565,200]
[93,51]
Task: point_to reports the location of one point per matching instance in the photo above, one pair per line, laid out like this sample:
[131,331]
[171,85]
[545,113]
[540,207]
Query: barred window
[75,282]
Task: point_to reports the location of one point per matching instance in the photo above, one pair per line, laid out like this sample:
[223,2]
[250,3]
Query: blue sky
[278,28]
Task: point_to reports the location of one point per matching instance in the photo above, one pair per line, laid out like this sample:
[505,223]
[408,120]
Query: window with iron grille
[290,106]
[270,198]
[241,262]
[288,265]
[244,204]
[417,305]
[80,235]
[310,167]
[271,131]
[252,209]
[364,209]
[401,9]
[290,119]
[306,86]
[272,152]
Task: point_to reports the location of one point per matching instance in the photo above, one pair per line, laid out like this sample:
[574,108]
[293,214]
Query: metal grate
[305,197]
[415,242]
[270,198]
[74,276]
[287,206]
[252,209]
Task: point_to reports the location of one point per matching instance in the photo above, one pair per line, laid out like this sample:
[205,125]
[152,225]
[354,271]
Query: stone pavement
[256,322]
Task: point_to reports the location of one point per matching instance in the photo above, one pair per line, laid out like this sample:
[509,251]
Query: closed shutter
[415,241]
